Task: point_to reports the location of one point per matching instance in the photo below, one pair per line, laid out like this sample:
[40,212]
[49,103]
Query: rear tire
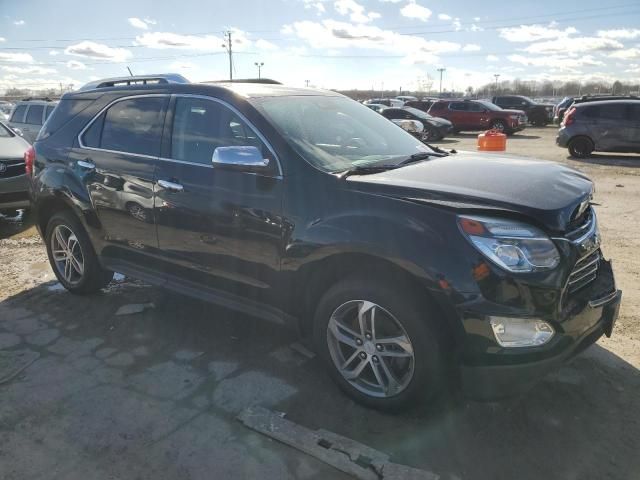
[580,147]
[72,257]
[498,125]
[396,374]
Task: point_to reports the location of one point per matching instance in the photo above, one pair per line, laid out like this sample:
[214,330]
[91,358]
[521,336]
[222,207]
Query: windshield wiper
[365,170]
[417,157]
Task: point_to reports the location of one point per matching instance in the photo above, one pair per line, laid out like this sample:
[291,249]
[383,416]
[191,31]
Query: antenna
[129,71]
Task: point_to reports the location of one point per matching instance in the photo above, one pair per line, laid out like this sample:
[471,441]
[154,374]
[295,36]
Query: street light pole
[441,70]
[497,75]
[259,65]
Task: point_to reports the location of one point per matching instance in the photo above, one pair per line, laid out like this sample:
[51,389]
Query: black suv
[539,114]
[408,267]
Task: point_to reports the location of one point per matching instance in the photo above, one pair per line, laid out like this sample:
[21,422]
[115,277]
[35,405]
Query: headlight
[514,117]
[521,332]
[512,245]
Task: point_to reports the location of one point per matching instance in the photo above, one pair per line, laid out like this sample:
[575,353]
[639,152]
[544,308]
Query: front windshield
[337,133]
[418,113]
[489,105]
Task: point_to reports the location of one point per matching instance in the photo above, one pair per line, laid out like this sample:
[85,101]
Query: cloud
[16,57]
[164,40]
[390,1]
[331,34]
[475,28]
[19,23]
[180,65]
[620,34]
[471,47]
[89,49]
[149,21]
[456,24]
[13,80]
[534,33]
[265,45]
[355,11]
[493,58]
[556,61]
[76,65]
[444,16]
[574,45]
[627,54]
[28,70]
[53,53]
[2,39]
[138,23]
[413,10]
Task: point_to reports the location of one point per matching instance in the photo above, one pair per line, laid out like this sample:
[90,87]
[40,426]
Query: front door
[217,228]
[614,126]
[116,160]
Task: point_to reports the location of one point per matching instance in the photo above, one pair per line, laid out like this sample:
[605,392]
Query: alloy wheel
[370,348]
[67,254]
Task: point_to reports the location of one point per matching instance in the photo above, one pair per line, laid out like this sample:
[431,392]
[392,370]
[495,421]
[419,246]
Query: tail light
[569,117]
[29,158]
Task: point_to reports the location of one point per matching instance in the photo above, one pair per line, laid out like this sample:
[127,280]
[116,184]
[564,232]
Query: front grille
[11,168]
[584,272]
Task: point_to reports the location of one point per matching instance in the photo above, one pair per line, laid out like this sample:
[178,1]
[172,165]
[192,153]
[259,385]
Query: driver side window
[201,125]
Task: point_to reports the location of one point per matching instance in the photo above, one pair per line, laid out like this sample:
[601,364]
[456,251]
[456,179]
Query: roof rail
[29,99]
[163,78]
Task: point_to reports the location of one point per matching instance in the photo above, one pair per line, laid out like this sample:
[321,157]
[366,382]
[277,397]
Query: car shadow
[579,422]
[20,225]
[609,159]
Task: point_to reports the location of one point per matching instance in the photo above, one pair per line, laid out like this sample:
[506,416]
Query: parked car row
[405,266]
[29,115]
[13,182]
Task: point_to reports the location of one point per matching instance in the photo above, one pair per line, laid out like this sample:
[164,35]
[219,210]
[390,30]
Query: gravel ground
[154,395]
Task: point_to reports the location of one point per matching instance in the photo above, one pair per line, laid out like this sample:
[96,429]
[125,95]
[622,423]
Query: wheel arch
[316,278]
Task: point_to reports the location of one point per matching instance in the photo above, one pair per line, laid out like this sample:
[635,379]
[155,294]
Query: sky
[339,44]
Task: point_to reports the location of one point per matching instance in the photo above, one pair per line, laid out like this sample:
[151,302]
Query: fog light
[521,332]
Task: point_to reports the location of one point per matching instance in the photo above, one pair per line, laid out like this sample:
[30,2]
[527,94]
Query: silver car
[13,180]
[29,115]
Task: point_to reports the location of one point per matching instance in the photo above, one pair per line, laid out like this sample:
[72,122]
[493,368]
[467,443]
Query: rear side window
[134,126]
[475,107]
[200,126]
[34,115]
[18,114]
[458,106]
[613,111]
[62,113]
[437,106]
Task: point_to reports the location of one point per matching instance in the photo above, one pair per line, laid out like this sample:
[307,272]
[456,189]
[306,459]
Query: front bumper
[501,372]
[14,192]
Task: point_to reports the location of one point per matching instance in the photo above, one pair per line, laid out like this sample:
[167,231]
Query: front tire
[378,343]
[580,147]
[498,125]
[71,255]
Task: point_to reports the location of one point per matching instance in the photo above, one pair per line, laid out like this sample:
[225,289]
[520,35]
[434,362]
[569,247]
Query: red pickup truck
[479,115]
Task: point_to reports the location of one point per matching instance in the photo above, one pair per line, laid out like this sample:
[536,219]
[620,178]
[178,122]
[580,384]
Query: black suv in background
[408,267]
[604,126]
[538,114]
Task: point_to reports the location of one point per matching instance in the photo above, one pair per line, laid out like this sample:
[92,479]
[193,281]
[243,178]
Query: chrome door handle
[171,186]
[86,164]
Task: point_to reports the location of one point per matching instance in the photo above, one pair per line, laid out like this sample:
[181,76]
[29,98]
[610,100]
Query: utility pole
[497,75]
[441,70]
[259,65]
[229,47]
[306,82]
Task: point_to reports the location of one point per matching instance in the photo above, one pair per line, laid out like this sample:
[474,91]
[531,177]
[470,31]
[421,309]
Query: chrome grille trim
[584,272]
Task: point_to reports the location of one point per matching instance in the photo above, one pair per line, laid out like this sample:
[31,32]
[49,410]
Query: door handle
[86,164]
[171,186]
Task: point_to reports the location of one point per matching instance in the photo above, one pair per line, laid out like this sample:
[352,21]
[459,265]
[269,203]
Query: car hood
[13,147]
[549,193]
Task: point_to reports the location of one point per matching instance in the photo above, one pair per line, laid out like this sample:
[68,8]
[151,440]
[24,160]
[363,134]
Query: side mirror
[411,126]
[245,159]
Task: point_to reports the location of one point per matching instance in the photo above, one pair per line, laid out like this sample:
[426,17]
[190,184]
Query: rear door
[116,160]
[217,228]
[459,115]
[634,142]
[614,127]
[478,116]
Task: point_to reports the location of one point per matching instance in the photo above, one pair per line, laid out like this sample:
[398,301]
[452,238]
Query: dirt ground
[154,395]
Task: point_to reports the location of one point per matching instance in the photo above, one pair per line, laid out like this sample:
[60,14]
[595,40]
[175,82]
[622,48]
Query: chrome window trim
[255,130]
[105,108]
